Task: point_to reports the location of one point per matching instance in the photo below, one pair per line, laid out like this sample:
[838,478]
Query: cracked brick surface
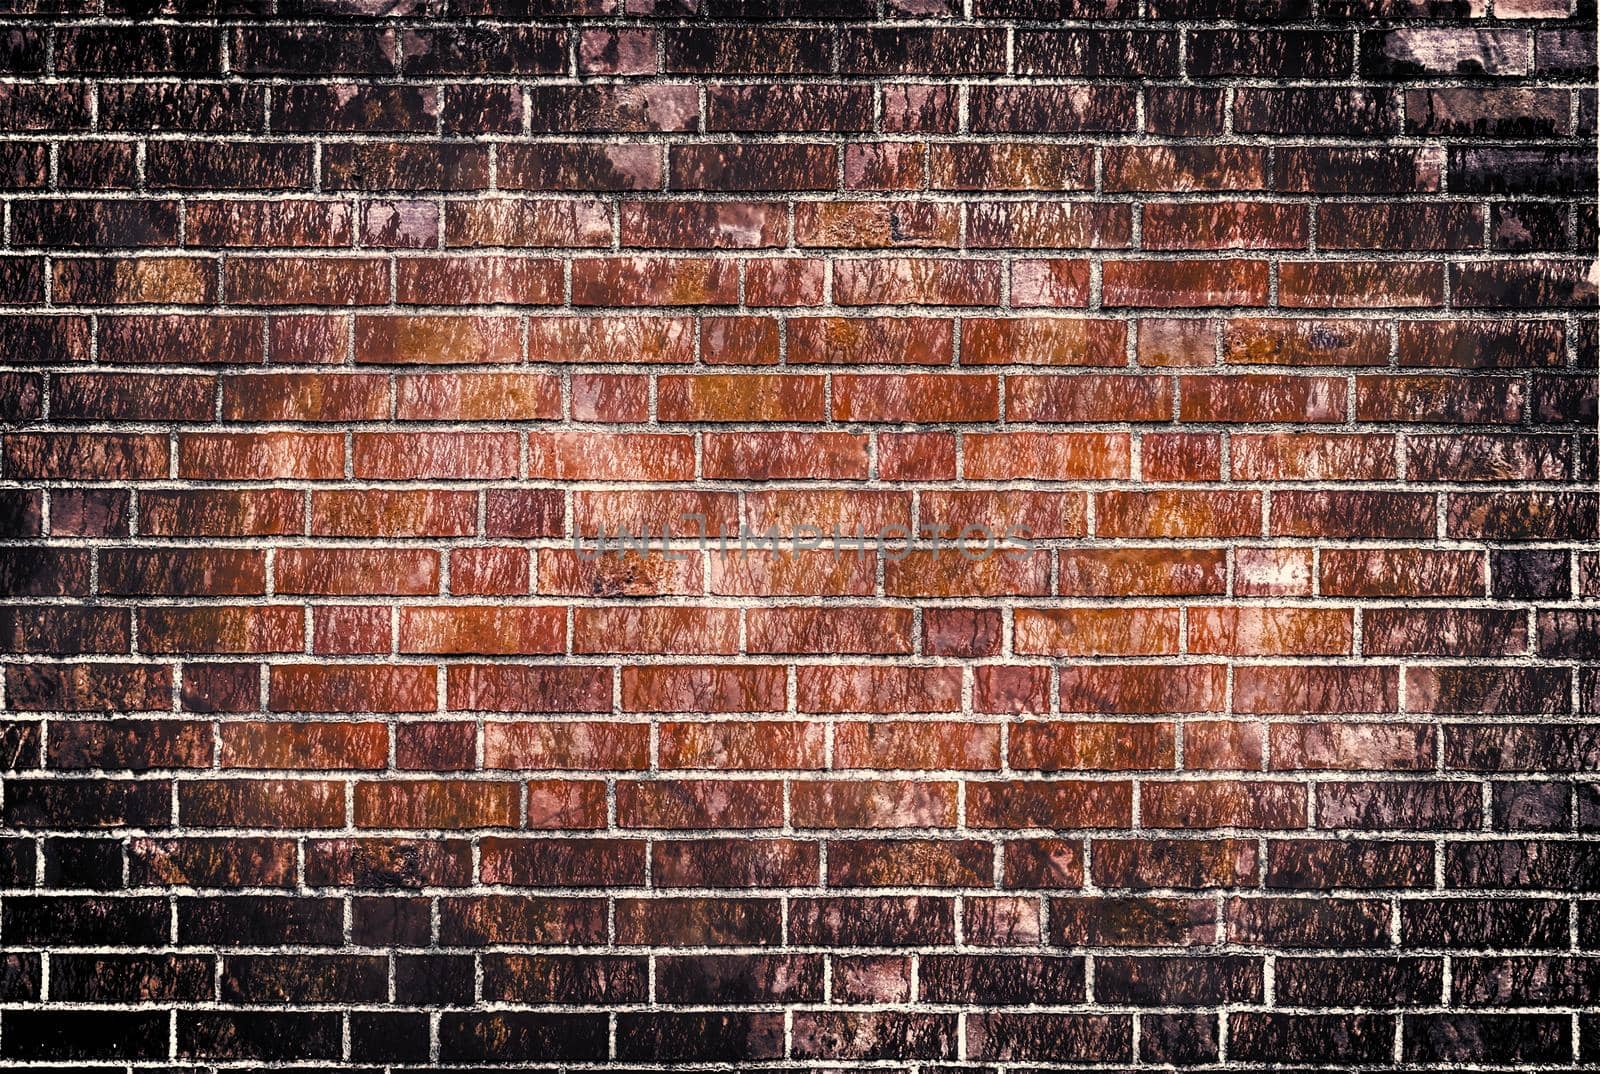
[339,337]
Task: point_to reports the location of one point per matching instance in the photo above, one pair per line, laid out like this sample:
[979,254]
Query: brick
[303,397]
[914,397]
[402,166]
[875,224]
[1050,109]
[352,688]
[438,456]
[791,166]
[874,340]
[1184,283]
[1008,166]
[610,339]
[1306,342]
[1410,573]
[1223,226]
[526,222]
[1185,168]
[229,165]
[1315,689]
[478,397]
[545,166]
[747,49]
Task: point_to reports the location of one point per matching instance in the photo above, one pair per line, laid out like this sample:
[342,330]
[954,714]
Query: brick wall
[330,331]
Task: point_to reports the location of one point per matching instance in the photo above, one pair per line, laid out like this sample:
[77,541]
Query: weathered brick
[1277,411]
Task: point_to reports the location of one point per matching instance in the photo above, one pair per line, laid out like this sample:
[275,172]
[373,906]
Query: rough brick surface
[335,335]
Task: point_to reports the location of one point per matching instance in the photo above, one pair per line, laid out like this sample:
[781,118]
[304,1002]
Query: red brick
[305,397]
[512,688]
[1312,457]
[587,456]
[1052,803]
[1010,166]
[408,513]
[917,745]
[871,631]
[352,688]
[1181,456]
[1353,514]
[684,804]
[478,397]
[1261,397]
[870,340]
[1305,342]
[1258,631]
[1314,689]
[654,281]
[787,508]
[872,804]
[952,573]
[356,571]
[1096,631]
[1053,456]
[490,571]
[1005,688]
[413,340]
[720,225]
[884,166]
[436,455]
[216,629]
[1126,688]
[1184,283]
[1185,168]
[1214,804]
[306,281]
[610,339]
[624,629]
[1361,284]
[915,397]
[482,630]
[876,224]
[476,280]
[305,745]
[739,340]
[526,222]
[1402,573]
[1350,746]
[1042,341]
[916,281]
[734,746]
[763,573]
[1109,746]
[1132,572]
[763,456]
[676,511]
[1049,224]
[1223,745]
[703,688]
[261,456]
[784,281]
[870,688]
[437,804]
[1230,225]
[1085,496]
[912,456]
[1079,397]
[736,397]
[1454,399]
[1178,514]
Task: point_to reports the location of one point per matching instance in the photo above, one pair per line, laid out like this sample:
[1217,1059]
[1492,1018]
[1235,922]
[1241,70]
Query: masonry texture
[1265,329]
